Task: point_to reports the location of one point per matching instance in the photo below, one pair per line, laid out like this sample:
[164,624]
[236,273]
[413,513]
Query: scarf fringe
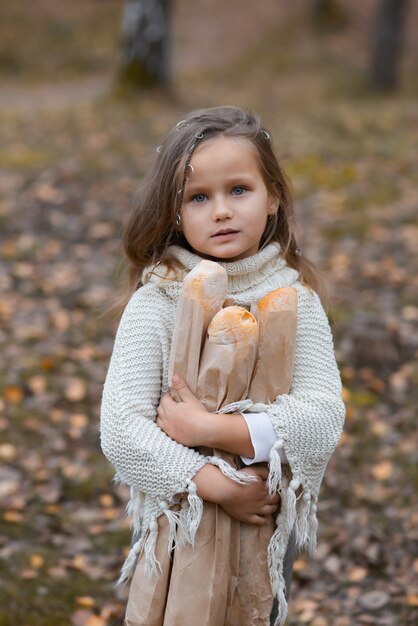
[274,481]
[182,531]
[230,472]
[183,526]
[302,519]
[133,509]
[282,607]
[130,562]
[290,497]
[297,514]
[276,551]
[152,566]
[173,518]
[194,513]
[312,529]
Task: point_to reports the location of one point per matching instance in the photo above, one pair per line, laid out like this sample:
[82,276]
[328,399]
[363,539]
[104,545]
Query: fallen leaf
[27,574]
[13,516]
[57,572]
[79,420]
[374,600]
[106,500]
[382,471]
[9,249]
[36,560]
[379,428]
[357,574]
[61,320]
[8,487]
[79,562]
[412,599]
[86,601]
[13,394]
[37,384]
[110,514]
[47,363]
[332,564]
[102,230]
[7,452]
[75,389]
[53,509]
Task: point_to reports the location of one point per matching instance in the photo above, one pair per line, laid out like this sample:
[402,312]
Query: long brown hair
[150,228]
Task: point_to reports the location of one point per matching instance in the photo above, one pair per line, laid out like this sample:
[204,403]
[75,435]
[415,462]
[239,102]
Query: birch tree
[145,43]
[388,43]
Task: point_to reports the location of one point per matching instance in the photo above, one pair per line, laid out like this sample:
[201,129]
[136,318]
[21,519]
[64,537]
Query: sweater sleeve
[309,420]
[143,455]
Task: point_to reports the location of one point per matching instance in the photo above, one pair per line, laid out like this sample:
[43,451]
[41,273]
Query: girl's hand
[183,421]
[249,503]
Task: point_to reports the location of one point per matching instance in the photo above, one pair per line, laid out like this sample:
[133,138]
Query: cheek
[190,217]
[190,223]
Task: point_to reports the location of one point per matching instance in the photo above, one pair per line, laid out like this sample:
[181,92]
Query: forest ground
[73,152]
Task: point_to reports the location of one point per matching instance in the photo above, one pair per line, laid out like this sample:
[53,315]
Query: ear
[177,222]
[273,205]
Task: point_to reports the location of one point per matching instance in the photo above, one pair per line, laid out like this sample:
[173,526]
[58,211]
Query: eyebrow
[234,178]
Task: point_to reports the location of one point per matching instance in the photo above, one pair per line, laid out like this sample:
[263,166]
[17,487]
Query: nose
[221,209]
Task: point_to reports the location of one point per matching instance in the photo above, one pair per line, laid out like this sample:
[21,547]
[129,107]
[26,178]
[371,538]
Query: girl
[217,192]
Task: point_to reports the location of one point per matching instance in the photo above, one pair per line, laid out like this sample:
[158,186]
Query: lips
[225,231]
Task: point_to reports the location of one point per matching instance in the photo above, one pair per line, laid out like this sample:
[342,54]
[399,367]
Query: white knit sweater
[308,421]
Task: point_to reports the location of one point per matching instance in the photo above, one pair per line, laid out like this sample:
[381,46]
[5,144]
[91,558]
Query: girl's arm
[143,455]
[189,422]
[249,503]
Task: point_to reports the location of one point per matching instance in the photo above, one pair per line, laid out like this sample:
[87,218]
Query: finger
[258,470]
[268,509]
[258,520]
[182,389]
[166,399]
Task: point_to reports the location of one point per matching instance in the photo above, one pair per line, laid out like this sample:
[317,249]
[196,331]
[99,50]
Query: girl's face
[226,203]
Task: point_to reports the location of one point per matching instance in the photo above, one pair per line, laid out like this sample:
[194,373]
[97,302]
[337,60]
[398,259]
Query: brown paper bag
[228,358]
[203,293]
[276,314]
[222,580]
[204,584]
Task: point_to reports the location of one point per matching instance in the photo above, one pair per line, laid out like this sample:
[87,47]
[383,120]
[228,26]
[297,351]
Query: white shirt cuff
[263,437]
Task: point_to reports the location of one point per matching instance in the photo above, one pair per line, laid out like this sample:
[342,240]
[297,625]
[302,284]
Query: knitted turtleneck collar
[233,268]
[264,271]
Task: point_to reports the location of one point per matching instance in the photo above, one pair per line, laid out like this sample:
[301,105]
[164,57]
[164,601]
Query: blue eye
[199,197]
[238,191]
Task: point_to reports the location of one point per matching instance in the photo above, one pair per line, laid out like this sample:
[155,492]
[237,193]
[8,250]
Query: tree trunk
[327,14]
[388,43]
[145,43]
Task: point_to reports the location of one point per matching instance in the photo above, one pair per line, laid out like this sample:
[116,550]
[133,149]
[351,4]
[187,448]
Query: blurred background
[88,88]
